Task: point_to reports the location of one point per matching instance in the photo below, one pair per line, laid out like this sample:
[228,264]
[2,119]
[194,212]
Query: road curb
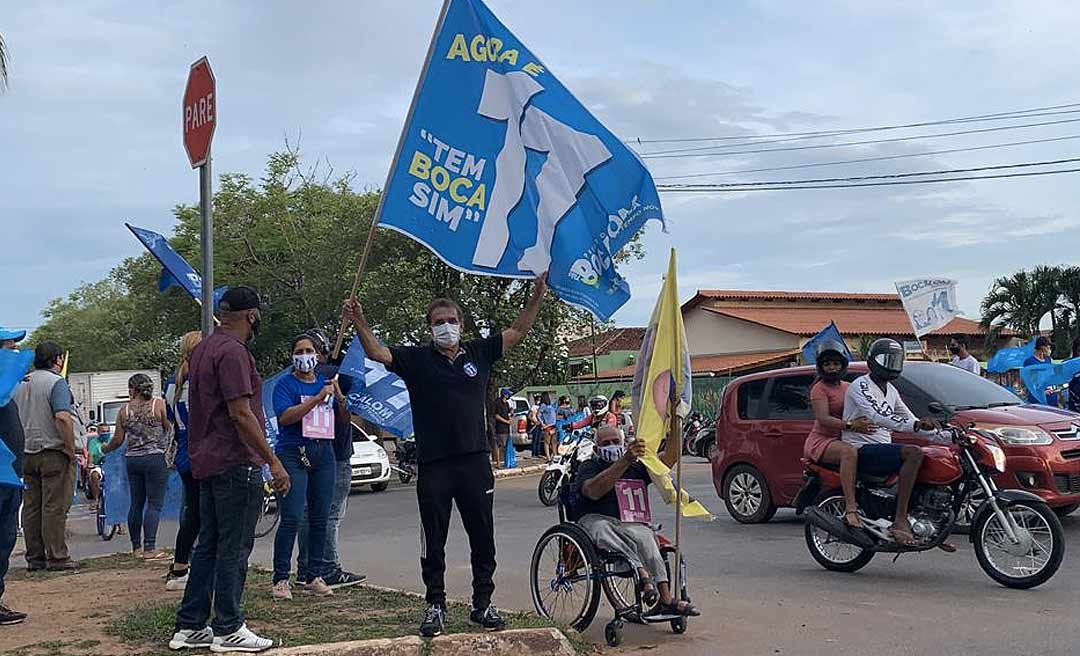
[539,642]
[520,471]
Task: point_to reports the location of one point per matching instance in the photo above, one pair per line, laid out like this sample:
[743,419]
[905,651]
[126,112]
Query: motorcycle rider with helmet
[824,445]
[874,397]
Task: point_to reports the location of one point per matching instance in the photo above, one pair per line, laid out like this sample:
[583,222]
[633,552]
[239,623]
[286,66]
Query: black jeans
[230,504]
[147,477]
[189,519]
[10,500]
[467,481]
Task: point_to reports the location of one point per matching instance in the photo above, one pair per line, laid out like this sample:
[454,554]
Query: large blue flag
[177,267]
[1038,377]
[167,280]
[828,333]
[502,172]
[1007,359]
[118,489]
[376,394]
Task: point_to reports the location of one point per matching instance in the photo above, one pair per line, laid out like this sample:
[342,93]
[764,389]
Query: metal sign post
[199,118]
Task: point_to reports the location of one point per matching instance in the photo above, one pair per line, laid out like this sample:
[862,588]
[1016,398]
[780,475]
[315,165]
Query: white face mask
[446,335]
[611,452]
[305,363]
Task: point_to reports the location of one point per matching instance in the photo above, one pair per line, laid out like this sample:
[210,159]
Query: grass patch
[121,561]
[357,613]
[57,648]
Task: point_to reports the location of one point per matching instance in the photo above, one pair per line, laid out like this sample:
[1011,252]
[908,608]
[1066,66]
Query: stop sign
[199,112]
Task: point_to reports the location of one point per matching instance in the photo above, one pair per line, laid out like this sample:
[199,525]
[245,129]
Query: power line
[887,176]
[995,176]
[1019,113]
[671,154]
[871,159]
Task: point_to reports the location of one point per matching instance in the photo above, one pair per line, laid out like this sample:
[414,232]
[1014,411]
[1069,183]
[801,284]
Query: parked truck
[101,394]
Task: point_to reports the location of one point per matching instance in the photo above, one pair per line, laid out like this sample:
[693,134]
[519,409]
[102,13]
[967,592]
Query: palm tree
[1012,303]
[4,57]
[1046,285]
[1069,283]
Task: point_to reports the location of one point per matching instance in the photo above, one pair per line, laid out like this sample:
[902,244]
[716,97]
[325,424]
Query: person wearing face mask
[308,407]
[447,383]
[961,359]
[227,448]
[617,468]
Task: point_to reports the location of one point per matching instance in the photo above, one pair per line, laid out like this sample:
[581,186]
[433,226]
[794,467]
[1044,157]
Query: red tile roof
[862,321]
[720,364]
[743,294]
[617,339]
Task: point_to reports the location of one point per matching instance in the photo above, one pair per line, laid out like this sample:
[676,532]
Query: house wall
[712,334]
[606,361]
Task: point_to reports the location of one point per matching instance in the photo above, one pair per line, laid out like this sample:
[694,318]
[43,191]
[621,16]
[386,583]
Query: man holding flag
[447,382]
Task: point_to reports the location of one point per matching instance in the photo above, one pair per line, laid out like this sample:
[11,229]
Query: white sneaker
[243,639]
[282,590]
[318,587]
[192,639]
[176,583]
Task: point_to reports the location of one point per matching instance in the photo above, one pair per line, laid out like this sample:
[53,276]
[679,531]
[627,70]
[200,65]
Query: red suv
[765,418]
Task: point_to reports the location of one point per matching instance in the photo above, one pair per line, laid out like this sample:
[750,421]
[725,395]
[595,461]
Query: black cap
[238,299]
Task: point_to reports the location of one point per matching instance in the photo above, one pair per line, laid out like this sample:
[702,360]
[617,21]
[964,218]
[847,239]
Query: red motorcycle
[1018,539]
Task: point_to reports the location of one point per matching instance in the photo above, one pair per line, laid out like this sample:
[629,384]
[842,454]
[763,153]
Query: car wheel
[379,487]
[1062,511]
[746,495]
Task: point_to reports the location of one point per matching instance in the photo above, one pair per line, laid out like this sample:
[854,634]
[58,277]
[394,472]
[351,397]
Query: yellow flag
[662,385]
[63,370]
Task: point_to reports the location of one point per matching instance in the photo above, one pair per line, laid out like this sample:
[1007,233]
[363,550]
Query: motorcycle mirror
[937,409]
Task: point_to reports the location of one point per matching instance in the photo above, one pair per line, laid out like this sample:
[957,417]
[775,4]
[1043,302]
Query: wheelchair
[568,572]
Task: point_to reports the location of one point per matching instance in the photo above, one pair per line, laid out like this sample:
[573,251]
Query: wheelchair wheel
[613,633]
[678,625]
[565,577]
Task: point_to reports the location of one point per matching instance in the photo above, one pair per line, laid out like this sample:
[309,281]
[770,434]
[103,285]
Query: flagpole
[676,434]
[393,165]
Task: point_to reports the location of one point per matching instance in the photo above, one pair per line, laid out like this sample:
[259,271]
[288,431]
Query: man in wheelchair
[612,490]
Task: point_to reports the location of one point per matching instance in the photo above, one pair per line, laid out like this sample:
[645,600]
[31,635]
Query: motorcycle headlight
[999,456]
[1021,435]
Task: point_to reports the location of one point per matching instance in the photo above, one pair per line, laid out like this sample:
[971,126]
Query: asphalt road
[758,587]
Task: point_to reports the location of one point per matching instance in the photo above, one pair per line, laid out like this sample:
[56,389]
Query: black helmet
[885,359]
[831,350]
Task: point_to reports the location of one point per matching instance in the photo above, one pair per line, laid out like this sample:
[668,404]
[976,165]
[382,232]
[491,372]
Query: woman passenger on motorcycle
[824,445]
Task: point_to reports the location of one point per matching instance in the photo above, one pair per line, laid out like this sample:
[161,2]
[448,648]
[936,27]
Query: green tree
[1013,302]
[295,235]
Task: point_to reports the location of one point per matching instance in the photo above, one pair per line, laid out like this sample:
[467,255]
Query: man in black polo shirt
[447,382]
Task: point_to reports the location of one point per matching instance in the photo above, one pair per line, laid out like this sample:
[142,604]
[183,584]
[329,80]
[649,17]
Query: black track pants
[467,481]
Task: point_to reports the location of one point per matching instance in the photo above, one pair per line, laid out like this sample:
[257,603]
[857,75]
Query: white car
[370,464]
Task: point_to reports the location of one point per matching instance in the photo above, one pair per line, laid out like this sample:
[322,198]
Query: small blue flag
[828,333]
[376,394]
[7,467]
[268,405]
[1037,377]
[118,490]
[13,367]
[503,172]
[1008,359]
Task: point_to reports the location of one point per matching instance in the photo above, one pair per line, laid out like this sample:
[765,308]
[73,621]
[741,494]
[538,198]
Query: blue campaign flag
[7,467]
[501,171]
[167,280]
[376,394]
[828,333]
[13,367]
[177,267]
[1038,377]
[118,490]
[268,405]
[1008,359]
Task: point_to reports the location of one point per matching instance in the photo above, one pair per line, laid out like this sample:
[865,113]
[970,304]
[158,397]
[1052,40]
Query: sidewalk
[118,605]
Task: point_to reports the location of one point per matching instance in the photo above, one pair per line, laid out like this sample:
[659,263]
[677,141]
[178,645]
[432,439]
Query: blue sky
[90,138]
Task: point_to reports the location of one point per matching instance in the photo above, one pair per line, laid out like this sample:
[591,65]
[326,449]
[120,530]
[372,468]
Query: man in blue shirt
[1043,348]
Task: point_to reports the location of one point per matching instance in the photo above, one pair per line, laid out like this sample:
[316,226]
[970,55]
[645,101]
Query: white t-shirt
[886,411]
[967,364]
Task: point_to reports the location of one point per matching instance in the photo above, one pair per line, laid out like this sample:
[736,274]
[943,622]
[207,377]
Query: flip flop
[681,607]
[947,548]
[849,524]
[903,537]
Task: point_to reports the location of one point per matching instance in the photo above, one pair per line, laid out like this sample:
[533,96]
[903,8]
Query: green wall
[708,391]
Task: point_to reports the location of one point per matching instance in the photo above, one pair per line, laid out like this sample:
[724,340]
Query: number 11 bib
[633,501]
